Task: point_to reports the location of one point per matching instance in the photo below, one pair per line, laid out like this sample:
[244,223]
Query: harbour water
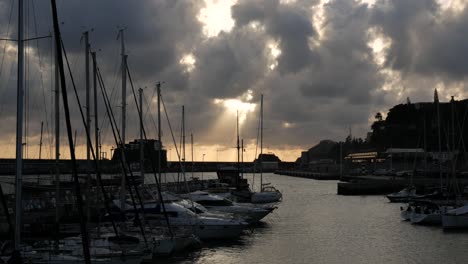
[314,225]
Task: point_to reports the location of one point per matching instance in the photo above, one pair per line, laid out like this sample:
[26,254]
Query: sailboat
[268,193]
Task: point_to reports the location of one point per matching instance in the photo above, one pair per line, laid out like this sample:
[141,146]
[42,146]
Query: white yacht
[179,217]
[215,203]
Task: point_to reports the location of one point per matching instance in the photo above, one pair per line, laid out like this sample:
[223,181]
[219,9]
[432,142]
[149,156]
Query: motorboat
[402,196]
[179,217]
[216,203]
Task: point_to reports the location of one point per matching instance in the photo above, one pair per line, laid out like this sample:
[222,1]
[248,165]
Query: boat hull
[455,221]
[426,219]
[266,197]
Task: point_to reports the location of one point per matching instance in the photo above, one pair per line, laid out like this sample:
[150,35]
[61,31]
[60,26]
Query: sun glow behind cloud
[188,60]
[240,105]
[275,52]
[216,17]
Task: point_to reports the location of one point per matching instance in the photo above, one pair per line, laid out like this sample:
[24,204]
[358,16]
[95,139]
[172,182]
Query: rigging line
[158,185]
[255,157]
[148,109]
[8,33]
[174,141]
[88,136]
[124,164]
[150,117]
[105,121]
[41,75]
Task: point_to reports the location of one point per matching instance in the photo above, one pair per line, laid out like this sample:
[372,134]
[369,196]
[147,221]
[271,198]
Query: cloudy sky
[324,67]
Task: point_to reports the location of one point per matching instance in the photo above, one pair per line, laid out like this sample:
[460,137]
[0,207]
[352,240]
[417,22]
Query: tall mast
[191,141]
[436,100]
[84,234]
[261,143]
[242,158]
[455,186]
[40,140]
[183,138]
[124,84]
[88,124]
[57,142]
[238,151]
[142,151]
[124,96]
[97,151]
[158,86]
[96,127]
[88,115]
[19,130]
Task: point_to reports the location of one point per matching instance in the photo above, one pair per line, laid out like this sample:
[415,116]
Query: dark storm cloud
[403,22]
[425,40]
[289,24]
[325,80]
[230,64]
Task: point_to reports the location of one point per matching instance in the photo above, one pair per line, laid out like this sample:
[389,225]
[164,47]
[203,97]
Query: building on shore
[151,150]
[268,162]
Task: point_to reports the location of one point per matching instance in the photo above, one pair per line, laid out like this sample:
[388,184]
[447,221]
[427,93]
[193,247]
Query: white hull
[454,221]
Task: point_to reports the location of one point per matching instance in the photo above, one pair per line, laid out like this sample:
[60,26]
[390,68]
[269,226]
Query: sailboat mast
[183,137]
[455,189]
[191,141]
[19,130]
[124,96]
[97,151]
[40,140]
[88,124]
[124,84]
[238,151]
[436,99]
[79,200]
[242,158]
[57,142]
[96,127]
[88,115]
[158,86]
[261,143]
[142,153]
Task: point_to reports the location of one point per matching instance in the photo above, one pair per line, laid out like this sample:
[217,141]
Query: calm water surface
[314,225]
